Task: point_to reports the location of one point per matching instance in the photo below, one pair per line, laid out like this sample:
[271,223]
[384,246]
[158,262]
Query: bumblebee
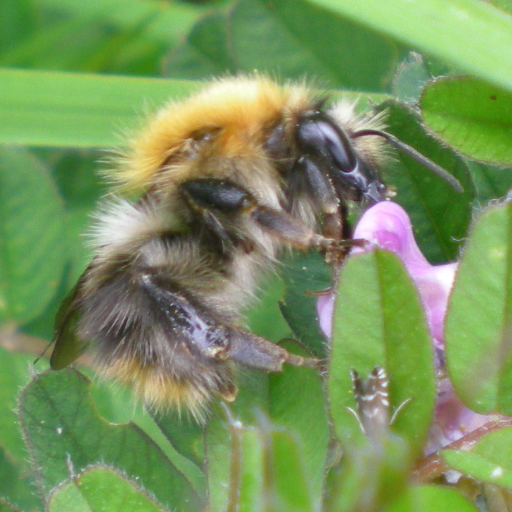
[211,191]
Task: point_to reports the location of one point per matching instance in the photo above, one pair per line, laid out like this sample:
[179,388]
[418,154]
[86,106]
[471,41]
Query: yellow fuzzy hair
[239,106]
[160,390]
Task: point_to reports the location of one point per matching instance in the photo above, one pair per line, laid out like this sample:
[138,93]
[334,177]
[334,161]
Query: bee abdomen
[168,348]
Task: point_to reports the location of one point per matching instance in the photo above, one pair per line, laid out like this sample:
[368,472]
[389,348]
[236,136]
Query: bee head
[331,159]
[327,147]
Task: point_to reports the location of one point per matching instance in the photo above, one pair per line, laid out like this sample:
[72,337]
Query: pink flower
[387,226]
[452,419]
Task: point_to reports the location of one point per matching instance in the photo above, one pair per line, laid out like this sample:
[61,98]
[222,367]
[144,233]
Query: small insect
[372,401]
[202,204]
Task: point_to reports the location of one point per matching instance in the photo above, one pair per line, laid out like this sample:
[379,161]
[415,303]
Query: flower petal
[387,226]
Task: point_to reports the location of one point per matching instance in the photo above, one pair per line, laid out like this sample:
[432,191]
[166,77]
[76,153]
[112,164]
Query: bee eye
[325,145]
[319,137]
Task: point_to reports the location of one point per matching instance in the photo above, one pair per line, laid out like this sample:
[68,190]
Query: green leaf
[215,45]
[369,477]
[16,483]
[379,320]
[35,50]
[8,507]
[410,78]
[287,410]
[77,173]
[285,473]
[472,35]
[496,447]
[63,431]
[266,470]
[32,236]
[76,177]
[439,214]
[184,433]
[479,320]
[472,116]
[490,182]
[268,306]
[305,275]
[62,109]
[478,467]
[114,38]
[252,397]
[16,22]
[14,374]
[115,403]
[101,489]
[489,461]
[10,480]
[206,51]
[431,499]
[247,485]
[297,403]
[506,5]
[366,56]
[67,497]
[169,20]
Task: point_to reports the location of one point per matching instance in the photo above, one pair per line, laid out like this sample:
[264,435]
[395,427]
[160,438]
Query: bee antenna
[408,150]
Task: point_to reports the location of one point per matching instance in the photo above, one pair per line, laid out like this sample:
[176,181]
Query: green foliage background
[75,77]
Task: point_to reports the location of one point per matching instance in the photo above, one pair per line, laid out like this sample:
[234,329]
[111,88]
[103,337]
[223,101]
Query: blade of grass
[473,35]
[64,109]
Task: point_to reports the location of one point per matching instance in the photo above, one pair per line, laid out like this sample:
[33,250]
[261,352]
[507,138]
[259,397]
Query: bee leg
[217,203]
[294,232]
[319,186]
[332,207]
[196,194]
[221,200]
[216,341]
[254,351]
